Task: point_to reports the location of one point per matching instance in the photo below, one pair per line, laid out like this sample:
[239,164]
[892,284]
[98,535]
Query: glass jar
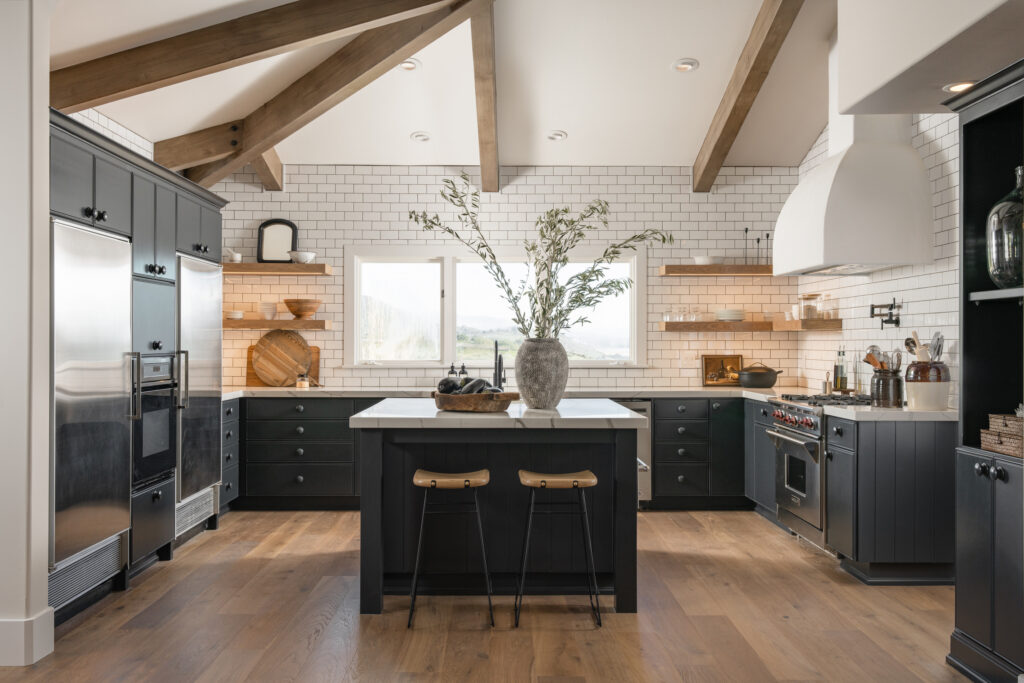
[810,306]
[1004,235]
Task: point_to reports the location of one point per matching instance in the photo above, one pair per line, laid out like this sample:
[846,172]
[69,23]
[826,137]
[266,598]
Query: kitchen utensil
[253,380]
[758,376]
[302,309]
[872,360]
[910,345]
[302,256]
[935,349]
[280,356]
[826,386]
[875,350]
[896,358]
[474,403]
[886,361]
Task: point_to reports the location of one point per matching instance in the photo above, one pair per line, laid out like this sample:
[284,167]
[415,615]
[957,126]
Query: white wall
[26,621]
[338,206]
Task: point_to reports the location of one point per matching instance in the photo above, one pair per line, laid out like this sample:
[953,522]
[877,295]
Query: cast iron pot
[754,377]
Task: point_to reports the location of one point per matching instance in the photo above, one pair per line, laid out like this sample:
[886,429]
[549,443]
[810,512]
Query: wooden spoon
[871,360]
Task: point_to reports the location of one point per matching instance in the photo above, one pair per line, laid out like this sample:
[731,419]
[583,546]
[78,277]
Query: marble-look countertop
[571,413]
[856,413]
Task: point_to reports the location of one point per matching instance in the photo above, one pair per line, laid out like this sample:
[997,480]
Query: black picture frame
[260,257]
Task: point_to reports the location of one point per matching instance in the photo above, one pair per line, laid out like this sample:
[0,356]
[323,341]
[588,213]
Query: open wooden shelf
[717,270]
[716,326]
[258,324]
[997,294]
[317,269]
[816,325]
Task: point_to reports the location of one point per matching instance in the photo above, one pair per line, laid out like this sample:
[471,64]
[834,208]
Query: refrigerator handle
[136,392]
[183,379]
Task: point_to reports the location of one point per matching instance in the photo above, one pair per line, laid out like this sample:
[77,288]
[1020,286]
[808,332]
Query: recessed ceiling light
[958,87]
[410,64]
[557,135]
[419,136]
[686,64]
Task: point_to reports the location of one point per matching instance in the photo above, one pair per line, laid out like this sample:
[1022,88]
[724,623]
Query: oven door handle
[136,402]
[810,446]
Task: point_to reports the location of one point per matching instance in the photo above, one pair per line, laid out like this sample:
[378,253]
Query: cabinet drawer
[680,430]
[681,479]
[230,432]
[264,451]
[229,410]
[229,456]
[229,486]
[292,408]
[684,407]
[298,430]
[763,414]
[841,433]
[300,479]
[152,519]
[681,452]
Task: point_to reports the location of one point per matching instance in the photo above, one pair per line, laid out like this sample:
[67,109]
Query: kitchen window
[426,307]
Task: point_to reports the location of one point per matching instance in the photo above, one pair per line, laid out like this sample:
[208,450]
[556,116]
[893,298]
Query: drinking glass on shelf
[696,314]
[679,313]
[667,315]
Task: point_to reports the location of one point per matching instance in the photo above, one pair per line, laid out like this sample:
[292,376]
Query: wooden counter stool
[572,480]
[454,480]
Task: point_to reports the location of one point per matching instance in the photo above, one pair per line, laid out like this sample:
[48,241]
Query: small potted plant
[542,304]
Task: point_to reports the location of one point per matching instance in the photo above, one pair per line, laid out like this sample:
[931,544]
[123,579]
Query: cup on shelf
[268,310]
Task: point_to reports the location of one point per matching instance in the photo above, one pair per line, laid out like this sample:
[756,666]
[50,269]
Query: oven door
[154,435]
[798,475]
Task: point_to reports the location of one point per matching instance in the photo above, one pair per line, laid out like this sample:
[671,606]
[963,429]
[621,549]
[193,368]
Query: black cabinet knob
[157,345]
[198,248]
[680,409]
[764,412]
[681,451]
[300,429]
[161,270]
[157,495]
[828,455]
[299,479]
[716,405]
[996,473]
[229,434]
[228,457]
[300,408]
[681,478]
[680,430]
[101,216]
[838,431]
[88,211]
[152,268]
[981,469]
[205,249]
[228,486]
[229,411]
[299,452]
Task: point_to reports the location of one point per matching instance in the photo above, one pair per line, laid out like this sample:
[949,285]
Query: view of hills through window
[400,312]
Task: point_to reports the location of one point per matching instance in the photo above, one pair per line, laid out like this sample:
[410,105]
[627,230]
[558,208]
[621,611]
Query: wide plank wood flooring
[724,596]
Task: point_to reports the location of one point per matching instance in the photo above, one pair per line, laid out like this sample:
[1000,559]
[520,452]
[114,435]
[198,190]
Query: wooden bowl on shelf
[302,309]
[475,403]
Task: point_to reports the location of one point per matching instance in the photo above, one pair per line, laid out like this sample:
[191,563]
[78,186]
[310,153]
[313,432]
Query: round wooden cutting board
[280,356]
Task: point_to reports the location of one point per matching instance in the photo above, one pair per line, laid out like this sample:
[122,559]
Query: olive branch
[552,306]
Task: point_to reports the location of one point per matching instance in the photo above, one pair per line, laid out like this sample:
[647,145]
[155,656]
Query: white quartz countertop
[571,413]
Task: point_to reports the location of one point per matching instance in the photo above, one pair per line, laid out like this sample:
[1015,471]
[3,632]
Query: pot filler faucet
[499,378]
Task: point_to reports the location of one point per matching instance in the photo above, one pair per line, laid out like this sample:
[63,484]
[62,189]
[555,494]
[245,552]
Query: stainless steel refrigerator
[199,381]
[92,408]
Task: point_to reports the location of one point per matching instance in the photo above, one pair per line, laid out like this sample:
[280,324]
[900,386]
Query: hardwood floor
[724,596]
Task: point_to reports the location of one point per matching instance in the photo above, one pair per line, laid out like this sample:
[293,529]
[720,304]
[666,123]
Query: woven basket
[1006,424]
[1002,443]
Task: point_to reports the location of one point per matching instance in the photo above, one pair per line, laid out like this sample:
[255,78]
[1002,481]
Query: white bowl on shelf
[707,260]
[268,310]
[730,315]
[302,256]
[234,315]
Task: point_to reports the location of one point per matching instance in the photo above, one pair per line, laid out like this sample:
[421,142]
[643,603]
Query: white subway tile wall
[341,205]
[115,131]
[929,293]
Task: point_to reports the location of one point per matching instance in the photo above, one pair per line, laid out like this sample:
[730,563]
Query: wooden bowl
[302,308]
[474,403]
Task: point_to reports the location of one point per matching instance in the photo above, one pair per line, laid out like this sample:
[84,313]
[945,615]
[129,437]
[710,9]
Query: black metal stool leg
[416,567]
[483,554]
[596,606]
[521,588]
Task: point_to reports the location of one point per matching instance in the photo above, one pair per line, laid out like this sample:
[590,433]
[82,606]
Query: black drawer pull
[299,452]
[681,451]
[680,430]
[300,429]
[300,408]
[157,495]
[228,434]
[299,479]
[681,478]
[838,431]
[680,409]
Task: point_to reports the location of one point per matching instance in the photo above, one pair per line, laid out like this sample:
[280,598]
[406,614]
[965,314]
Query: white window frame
[448,257]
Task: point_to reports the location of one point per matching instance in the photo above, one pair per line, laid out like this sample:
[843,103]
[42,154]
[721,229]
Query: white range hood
[866,207]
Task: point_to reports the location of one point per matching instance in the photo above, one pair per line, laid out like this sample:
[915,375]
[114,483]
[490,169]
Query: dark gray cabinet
[230,458]
[727,447]
[88,185]
[153,318]
[759,457]
[198,229]
[113,195]
[840,500]
[153,226]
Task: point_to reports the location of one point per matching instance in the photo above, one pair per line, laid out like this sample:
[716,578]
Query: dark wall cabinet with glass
[988,639]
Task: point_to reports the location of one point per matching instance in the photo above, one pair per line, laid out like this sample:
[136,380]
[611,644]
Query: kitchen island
[399,435]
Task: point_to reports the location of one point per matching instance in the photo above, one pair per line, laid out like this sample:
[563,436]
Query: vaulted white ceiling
[598,69]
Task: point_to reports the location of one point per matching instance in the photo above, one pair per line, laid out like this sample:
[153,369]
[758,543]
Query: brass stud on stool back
[453,481]
[572,480]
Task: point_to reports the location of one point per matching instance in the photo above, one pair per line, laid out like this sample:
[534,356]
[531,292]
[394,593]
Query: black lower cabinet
[988,641]
[153,521]
[759,458]
[840,501]
[230,452]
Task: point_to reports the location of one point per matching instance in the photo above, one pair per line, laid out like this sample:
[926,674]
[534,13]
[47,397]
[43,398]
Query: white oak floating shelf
[751,326]
[317,269]
[258,324]
[717,270]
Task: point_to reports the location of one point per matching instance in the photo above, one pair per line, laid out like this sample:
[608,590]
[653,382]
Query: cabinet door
[841,494]
[189,239]
[209,220]
[143,226]
[1008,581]
[727,447]
[974,547]
[152,317]
[764,468]
[71,169]
[749,451]
[113,195]
[165,232]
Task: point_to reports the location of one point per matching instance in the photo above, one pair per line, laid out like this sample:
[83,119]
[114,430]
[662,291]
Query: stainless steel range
[797,432]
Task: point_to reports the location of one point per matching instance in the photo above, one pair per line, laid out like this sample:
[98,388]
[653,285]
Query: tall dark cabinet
[987,643]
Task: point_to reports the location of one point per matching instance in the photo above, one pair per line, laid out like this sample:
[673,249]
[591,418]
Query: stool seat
[451,480]
[569,480]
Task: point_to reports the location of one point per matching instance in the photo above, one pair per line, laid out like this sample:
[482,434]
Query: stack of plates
[731,315]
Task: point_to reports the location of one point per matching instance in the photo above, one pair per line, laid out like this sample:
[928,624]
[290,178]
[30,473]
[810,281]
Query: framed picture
[721,371]
[276,238]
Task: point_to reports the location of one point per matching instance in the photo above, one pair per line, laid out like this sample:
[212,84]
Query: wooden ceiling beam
[222,46]
[772,25]
[347,71]
[201,147]
[482,29]
[270,170]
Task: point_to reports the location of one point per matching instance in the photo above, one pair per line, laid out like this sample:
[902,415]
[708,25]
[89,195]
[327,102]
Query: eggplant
[475,387]
[464,380]
[448,385]
[491,390]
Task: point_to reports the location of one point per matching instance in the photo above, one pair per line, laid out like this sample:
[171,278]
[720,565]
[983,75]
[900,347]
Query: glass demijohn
[1004,235]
